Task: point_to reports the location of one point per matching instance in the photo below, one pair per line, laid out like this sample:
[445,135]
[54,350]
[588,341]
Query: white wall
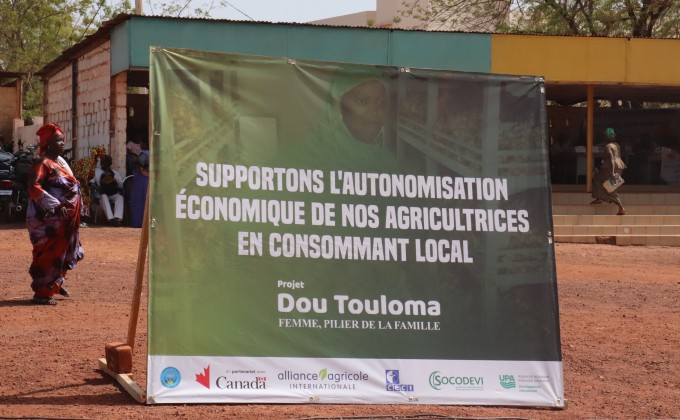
[383,17]
[26,133]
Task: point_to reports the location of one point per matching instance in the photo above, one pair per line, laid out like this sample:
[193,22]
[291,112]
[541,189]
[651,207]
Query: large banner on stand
[339,233]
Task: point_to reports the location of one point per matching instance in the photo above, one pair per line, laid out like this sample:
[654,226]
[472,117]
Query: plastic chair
[95,207]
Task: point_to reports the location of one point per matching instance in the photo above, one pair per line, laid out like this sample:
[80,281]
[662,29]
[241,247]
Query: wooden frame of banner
[125,379]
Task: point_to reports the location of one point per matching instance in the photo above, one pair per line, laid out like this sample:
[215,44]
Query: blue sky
[291,10]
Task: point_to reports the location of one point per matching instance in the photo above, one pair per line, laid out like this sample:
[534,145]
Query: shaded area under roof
[8,78]
[570,94]
[10,75]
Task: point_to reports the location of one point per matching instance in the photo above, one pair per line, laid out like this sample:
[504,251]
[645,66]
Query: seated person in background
[132,152]
[109,183]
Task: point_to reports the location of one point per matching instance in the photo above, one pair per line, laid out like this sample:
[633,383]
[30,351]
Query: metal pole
[589,141]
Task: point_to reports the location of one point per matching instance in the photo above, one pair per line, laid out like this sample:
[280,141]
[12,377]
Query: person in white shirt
[109,183]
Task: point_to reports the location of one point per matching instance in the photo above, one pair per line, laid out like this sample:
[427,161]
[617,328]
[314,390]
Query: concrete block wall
[57,110]
[93,103]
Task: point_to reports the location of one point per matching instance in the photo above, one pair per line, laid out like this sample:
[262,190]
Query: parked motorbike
[14,172]
[7,185]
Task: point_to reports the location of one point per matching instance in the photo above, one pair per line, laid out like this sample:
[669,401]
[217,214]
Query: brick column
[118,120]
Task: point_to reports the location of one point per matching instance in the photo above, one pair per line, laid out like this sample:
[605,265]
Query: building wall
[57,108]
[588,59]
[10,109]
[385,15]
[93,113]
[132,39]
[93,102]
[388,10]
[354,19]
[26,133]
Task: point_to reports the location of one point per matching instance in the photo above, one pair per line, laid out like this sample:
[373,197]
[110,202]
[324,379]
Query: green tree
[35,32]
[465,15]
[186,8]
[632,18]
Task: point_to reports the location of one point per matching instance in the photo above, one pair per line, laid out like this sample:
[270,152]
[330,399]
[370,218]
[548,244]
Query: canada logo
[204,378]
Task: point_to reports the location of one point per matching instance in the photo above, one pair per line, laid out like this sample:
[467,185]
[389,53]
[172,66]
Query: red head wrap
[46,132]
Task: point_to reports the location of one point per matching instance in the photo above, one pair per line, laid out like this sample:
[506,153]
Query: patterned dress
[612,165]
[54,235]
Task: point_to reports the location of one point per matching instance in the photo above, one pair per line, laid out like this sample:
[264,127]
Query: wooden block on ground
[119,357]
[125,380]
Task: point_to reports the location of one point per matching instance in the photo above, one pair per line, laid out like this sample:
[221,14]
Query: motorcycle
[7,186]
[14,172]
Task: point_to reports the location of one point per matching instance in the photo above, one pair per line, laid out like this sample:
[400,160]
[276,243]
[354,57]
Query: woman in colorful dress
[52,218]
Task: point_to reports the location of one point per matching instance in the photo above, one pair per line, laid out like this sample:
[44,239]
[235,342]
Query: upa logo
[507,381]
[170,377]
[392,381]
[204,378]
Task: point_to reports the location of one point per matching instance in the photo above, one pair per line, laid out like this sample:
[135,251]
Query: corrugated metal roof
[390,28]
[102,34]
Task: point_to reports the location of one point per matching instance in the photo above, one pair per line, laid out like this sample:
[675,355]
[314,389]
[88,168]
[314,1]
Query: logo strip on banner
[204,379]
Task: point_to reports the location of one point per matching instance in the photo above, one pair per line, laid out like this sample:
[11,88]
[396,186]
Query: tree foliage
[35,32]
[185,8]
[630,18]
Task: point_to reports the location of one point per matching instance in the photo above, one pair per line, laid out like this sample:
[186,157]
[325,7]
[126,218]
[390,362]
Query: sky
[299,11]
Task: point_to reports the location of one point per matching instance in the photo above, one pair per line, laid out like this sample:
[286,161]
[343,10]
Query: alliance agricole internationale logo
[323,379]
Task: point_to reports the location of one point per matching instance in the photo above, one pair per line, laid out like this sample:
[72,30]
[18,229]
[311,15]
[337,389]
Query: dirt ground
[620,328]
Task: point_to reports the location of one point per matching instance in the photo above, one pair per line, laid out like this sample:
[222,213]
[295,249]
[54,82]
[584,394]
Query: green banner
[317,209]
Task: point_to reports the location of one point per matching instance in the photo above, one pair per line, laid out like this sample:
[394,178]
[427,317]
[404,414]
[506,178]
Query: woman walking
[612,167]
[52,218]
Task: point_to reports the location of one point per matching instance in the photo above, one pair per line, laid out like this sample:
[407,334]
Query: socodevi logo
[392,382]
[437,380]
[507,381]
